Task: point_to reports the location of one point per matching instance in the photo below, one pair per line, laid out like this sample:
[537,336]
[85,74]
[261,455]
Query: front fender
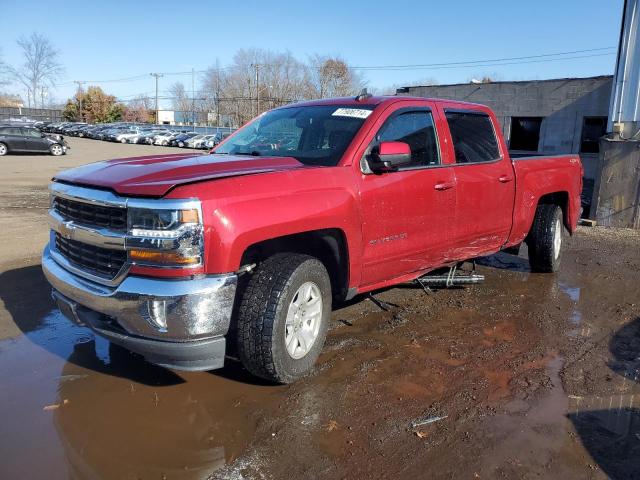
[241,211]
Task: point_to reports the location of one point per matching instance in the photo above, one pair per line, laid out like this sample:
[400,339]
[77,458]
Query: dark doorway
[592,129]
[525,133]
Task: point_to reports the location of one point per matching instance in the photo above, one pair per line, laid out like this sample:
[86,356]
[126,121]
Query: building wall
[563,103]
[166,117]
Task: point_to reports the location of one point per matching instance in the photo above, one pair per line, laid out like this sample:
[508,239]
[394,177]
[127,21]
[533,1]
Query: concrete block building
[543,117]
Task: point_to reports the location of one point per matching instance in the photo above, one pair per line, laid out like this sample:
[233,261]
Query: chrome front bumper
[190,311]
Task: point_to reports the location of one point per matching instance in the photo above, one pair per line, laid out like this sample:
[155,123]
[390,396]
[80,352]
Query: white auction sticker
[351,112]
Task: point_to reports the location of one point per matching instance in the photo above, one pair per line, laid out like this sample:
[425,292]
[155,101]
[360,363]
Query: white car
[194,142]
[164,138]
[127,136]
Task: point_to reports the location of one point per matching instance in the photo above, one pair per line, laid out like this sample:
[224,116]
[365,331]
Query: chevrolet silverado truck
[187,259]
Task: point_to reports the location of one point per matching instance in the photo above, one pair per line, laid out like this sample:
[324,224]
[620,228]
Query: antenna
[363,95]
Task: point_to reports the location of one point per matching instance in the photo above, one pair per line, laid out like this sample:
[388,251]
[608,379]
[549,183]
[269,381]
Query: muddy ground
[524,376]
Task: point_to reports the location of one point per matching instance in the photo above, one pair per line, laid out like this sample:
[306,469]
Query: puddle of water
[609,428]
[575,317]
[99,411]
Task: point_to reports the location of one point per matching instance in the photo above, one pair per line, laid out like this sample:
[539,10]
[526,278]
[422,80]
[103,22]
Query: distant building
[544,117]
[8,100]
[166,117]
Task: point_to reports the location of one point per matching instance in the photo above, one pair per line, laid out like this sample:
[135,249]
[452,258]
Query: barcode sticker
[351,112]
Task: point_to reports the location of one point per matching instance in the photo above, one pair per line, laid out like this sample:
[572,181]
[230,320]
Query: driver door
[408,214]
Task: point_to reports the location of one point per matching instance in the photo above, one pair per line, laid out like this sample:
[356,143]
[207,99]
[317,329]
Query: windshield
[313,135]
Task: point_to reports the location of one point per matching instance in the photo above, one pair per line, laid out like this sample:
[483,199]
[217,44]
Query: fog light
[157,314]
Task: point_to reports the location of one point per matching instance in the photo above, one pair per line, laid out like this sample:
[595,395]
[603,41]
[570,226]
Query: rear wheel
[123,140]
[545,239]
[3,149]
[56,150]
[283,317]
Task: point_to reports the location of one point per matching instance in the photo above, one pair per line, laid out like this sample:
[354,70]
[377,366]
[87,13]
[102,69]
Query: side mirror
[389,156]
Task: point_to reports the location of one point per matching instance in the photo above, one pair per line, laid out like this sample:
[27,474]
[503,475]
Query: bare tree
[257,80]
[4,71]
[138,110]
[41,65]
[332,77]
[179,98]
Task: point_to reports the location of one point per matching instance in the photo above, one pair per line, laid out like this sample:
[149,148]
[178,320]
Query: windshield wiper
[253,153]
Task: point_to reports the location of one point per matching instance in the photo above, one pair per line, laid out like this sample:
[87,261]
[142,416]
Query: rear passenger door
[485,183]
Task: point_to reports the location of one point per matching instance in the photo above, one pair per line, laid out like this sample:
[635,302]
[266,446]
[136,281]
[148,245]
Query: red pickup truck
[174,256]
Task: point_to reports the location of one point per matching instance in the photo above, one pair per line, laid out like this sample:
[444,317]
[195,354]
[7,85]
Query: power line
[446,67]
[544,57]
[410,66]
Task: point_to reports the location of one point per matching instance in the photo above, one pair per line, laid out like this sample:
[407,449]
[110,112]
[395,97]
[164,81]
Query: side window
[29,132]
[13,131]
[474,140]
[416,129]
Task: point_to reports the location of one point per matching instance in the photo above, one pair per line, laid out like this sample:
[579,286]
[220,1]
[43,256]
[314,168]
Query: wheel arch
[329,245]
[561,199]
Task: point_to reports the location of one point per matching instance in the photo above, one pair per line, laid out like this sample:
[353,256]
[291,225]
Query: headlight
[165,237]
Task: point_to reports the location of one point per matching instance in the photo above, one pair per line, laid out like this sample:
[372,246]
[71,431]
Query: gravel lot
[524,376]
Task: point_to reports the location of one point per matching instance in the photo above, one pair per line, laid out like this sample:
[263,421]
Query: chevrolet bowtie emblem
[67,229]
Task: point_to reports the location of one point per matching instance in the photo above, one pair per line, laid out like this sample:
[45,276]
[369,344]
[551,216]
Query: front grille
[89,214]
[101,262]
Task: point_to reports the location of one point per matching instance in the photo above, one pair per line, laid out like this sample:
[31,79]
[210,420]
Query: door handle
[505,179]
[443,186]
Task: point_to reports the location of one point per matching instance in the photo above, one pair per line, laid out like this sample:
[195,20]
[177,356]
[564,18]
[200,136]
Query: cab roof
[374,100]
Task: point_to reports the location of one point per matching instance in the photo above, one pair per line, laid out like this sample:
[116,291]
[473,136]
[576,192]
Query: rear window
[474,139]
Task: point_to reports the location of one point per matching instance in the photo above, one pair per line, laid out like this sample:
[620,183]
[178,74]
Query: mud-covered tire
[545,239]
[261,317]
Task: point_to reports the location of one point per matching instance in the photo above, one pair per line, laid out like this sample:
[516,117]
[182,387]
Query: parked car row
[140,134]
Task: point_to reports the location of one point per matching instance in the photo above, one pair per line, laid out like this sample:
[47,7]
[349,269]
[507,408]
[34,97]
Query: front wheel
[283,316]
[56,150]
[3,149]
[545,239]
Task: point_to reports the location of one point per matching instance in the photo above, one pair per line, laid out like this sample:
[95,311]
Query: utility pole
[257,68]
[80,83]
[217,95]
[193,98]
[157,75]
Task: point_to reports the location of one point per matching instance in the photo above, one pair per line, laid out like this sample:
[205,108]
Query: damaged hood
[155,175]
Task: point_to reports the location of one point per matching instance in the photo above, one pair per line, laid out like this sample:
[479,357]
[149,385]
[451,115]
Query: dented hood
[155,175]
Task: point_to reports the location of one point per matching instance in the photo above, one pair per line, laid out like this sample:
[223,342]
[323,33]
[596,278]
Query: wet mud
[524,376]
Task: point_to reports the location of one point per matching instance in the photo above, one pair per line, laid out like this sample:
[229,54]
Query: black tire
[3,149]
[262,312]
[545,253]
